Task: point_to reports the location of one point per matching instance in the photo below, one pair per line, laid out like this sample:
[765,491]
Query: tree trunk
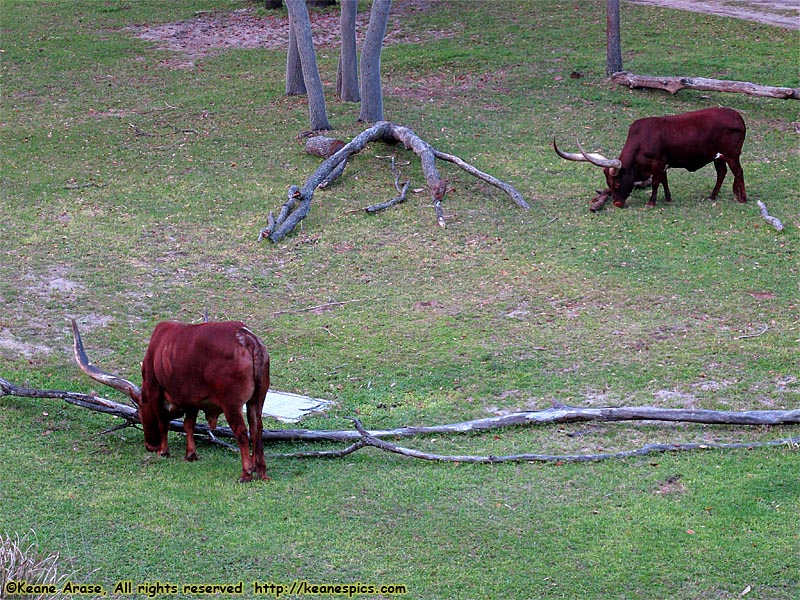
[613,41]
[301,26]
[371,93]
[347,87]
[295,86]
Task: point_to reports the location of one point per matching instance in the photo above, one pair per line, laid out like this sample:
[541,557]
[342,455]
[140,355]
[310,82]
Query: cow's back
[689,140]
[194,362]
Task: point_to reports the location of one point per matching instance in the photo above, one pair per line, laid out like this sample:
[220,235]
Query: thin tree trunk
[301,25]
[371,92]
[347,86]
[295,86]
[613,40]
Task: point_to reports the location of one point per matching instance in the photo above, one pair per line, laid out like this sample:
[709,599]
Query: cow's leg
[188,427]
[163,424]
[256,423]
[665,185]
[659,177]
[719,166]
[659,171]
[738,179]
[236,422]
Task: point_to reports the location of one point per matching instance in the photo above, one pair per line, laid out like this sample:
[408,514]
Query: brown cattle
[218,368]
[687,141]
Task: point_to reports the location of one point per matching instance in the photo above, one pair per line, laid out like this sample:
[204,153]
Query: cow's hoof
[191,457]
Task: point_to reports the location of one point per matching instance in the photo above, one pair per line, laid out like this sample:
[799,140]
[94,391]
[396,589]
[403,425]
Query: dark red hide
[218,368]
[687,141]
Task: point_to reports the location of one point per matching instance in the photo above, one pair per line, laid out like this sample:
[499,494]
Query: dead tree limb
[548,416]
[508,189]
[675,84]
[299,203]
[402,191]
[775,222]
[371,440]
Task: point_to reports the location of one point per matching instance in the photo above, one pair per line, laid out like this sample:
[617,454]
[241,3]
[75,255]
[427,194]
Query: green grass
[694,304]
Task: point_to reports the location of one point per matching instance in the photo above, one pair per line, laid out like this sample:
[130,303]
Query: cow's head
[151,425]
[619,179]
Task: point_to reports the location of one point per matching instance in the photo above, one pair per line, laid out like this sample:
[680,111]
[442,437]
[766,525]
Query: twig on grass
[140,132]
[776,223]
[396,173]
[753,335]
[80,186]
[318,307]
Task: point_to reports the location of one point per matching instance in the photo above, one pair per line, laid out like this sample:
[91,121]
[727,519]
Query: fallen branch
[675,84]
[769,219]
[548,416]
[373,208]
[298,203]
[603,196]
[370,440]
[80,186]
[599,201]
[317,307]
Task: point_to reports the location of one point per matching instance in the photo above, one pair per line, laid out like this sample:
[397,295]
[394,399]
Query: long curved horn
[128,388]
[599,159]
[568,155]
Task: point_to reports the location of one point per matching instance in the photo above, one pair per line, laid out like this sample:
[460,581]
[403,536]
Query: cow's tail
[260,366]
[255,405]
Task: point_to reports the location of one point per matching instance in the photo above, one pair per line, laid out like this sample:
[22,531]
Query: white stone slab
[290,408]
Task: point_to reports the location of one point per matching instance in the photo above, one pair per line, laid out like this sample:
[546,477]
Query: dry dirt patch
[209,32]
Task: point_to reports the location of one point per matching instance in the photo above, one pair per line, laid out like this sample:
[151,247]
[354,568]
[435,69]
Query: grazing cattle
[218,368]
[687,141]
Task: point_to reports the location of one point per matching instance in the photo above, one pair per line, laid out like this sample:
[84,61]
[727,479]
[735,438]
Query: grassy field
[133,183]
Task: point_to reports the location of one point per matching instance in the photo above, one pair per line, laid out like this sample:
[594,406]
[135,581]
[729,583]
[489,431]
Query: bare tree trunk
[295,86]
[371,92]
[613,40]
[347,86]
[301,26]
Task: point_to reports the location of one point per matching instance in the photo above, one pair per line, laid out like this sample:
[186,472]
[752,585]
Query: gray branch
[299,203]
[555,415]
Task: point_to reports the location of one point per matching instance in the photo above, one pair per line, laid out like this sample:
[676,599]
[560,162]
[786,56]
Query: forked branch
[362,437]
[298,204]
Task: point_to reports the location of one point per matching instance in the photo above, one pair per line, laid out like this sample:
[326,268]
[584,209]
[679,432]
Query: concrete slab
[290,408]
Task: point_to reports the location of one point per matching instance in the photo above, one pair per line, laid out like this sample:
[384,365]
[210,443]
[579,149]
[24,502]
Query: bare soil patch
[209,32]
